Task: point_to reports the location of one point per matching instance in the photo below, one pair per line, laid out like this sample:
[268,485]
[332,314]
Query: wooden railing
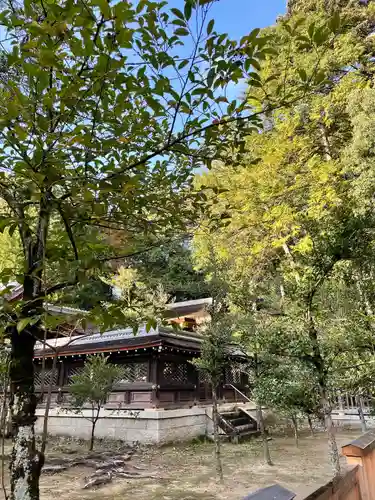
[361,453]
[356,483]
[342,401]
[345,487]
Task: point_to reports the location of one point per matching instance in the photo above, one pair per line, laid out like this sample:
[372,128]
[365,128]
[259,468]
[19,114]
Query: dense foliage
[106,109]
[296,203]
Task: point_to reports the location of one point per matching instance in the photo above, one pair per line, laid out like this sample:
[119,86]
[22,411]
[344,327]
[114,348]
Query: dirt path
[186,472]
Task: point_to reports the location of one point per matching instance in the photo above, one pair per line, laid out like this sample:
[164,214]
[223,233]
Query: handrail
[239,392]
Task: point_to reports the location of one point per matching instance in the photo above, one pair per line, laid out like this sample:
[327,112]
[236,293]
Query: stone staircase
[237,423]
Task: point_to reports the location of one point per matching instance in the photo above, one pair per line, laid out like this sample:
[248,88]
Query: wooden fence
[346,487]
[356,483]
[345,402]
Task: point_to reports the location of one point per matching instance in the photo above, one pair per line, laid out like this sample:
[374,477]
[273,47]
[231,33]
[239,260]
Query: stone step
[222,437]
[230,415]
[237,438]
[243,420]
[245,428]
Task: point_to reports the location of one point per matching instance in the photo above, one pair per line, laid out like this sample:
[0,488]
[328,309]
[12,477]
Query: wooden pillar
[361,452]
[60,380]
[347,401]
[196,390]
[340,403]
[154,379]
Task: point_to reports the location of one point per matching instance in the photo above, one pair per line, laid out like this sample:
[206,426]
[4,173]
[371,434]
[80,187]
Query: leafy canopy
[106,109]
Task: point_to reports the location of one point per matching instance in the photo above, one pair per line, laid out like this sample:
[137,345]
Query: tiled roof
[112,335]
[64,309]
[121,339]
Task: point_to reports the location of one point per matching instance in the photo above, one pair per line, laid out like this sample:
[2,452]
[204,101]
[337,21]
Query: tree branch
[57,287]
[68,230]
[168,145]
[196,46]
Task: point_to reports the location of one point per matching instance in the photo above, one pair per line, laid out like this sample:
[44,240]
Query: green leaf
[319,77]
[269,50]
[183,63]
[210,26]
[4,222]
[23,323]
[303,75]
[31,69]
[335,22]
[103,6]
[255,83]
[255,64]
[320,36]
[12,229]
[179,22]
[178,13]
[200,91]
[232,106]
[188,10]
[181,32]
[211,76]
[253,34]
[271,78]
[288,29]
[311,29]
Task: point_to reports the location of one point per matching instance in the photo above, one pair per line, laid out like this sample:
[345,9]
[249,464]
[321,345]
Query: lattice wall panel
[233,374]
[48,377]
[134,372]
[176,373]
[73,370]
[203,377]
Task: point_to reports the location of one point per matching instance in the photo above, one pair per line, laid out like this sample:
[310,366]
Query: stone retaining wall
[143,426]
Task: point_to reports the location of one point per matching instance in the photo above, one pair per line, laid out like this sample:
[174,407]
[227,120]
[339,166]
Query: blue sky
[239,17]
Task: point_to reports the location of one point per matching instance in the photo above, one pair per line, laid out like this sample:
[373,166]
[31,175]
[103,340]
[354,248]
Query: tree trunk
[4,402]
[330,429]
[25,463]
[92,439]
[361,414]
[326,147]
[310,426]
[295,428]
[48,405]
[4,411]
[219,467]
[263,433]
[9,418]
[320,367]
[94,419]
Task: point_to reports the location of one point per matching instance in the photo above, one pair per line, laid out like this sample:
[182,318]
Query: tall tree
[107,109]
[288,199]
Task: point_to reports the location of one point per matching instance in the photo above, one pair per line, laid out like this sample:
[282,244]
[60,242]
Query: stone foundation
[142,426]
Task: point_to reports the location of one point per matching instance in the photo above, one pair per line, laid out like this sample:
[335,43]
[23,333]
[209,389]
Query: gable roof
[121,340]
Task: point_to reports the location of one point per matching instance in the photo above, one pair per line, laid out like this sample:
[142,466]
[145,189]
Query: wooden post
[347,401]
[153,377]
[196,388]
[361,452]
[340,404]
